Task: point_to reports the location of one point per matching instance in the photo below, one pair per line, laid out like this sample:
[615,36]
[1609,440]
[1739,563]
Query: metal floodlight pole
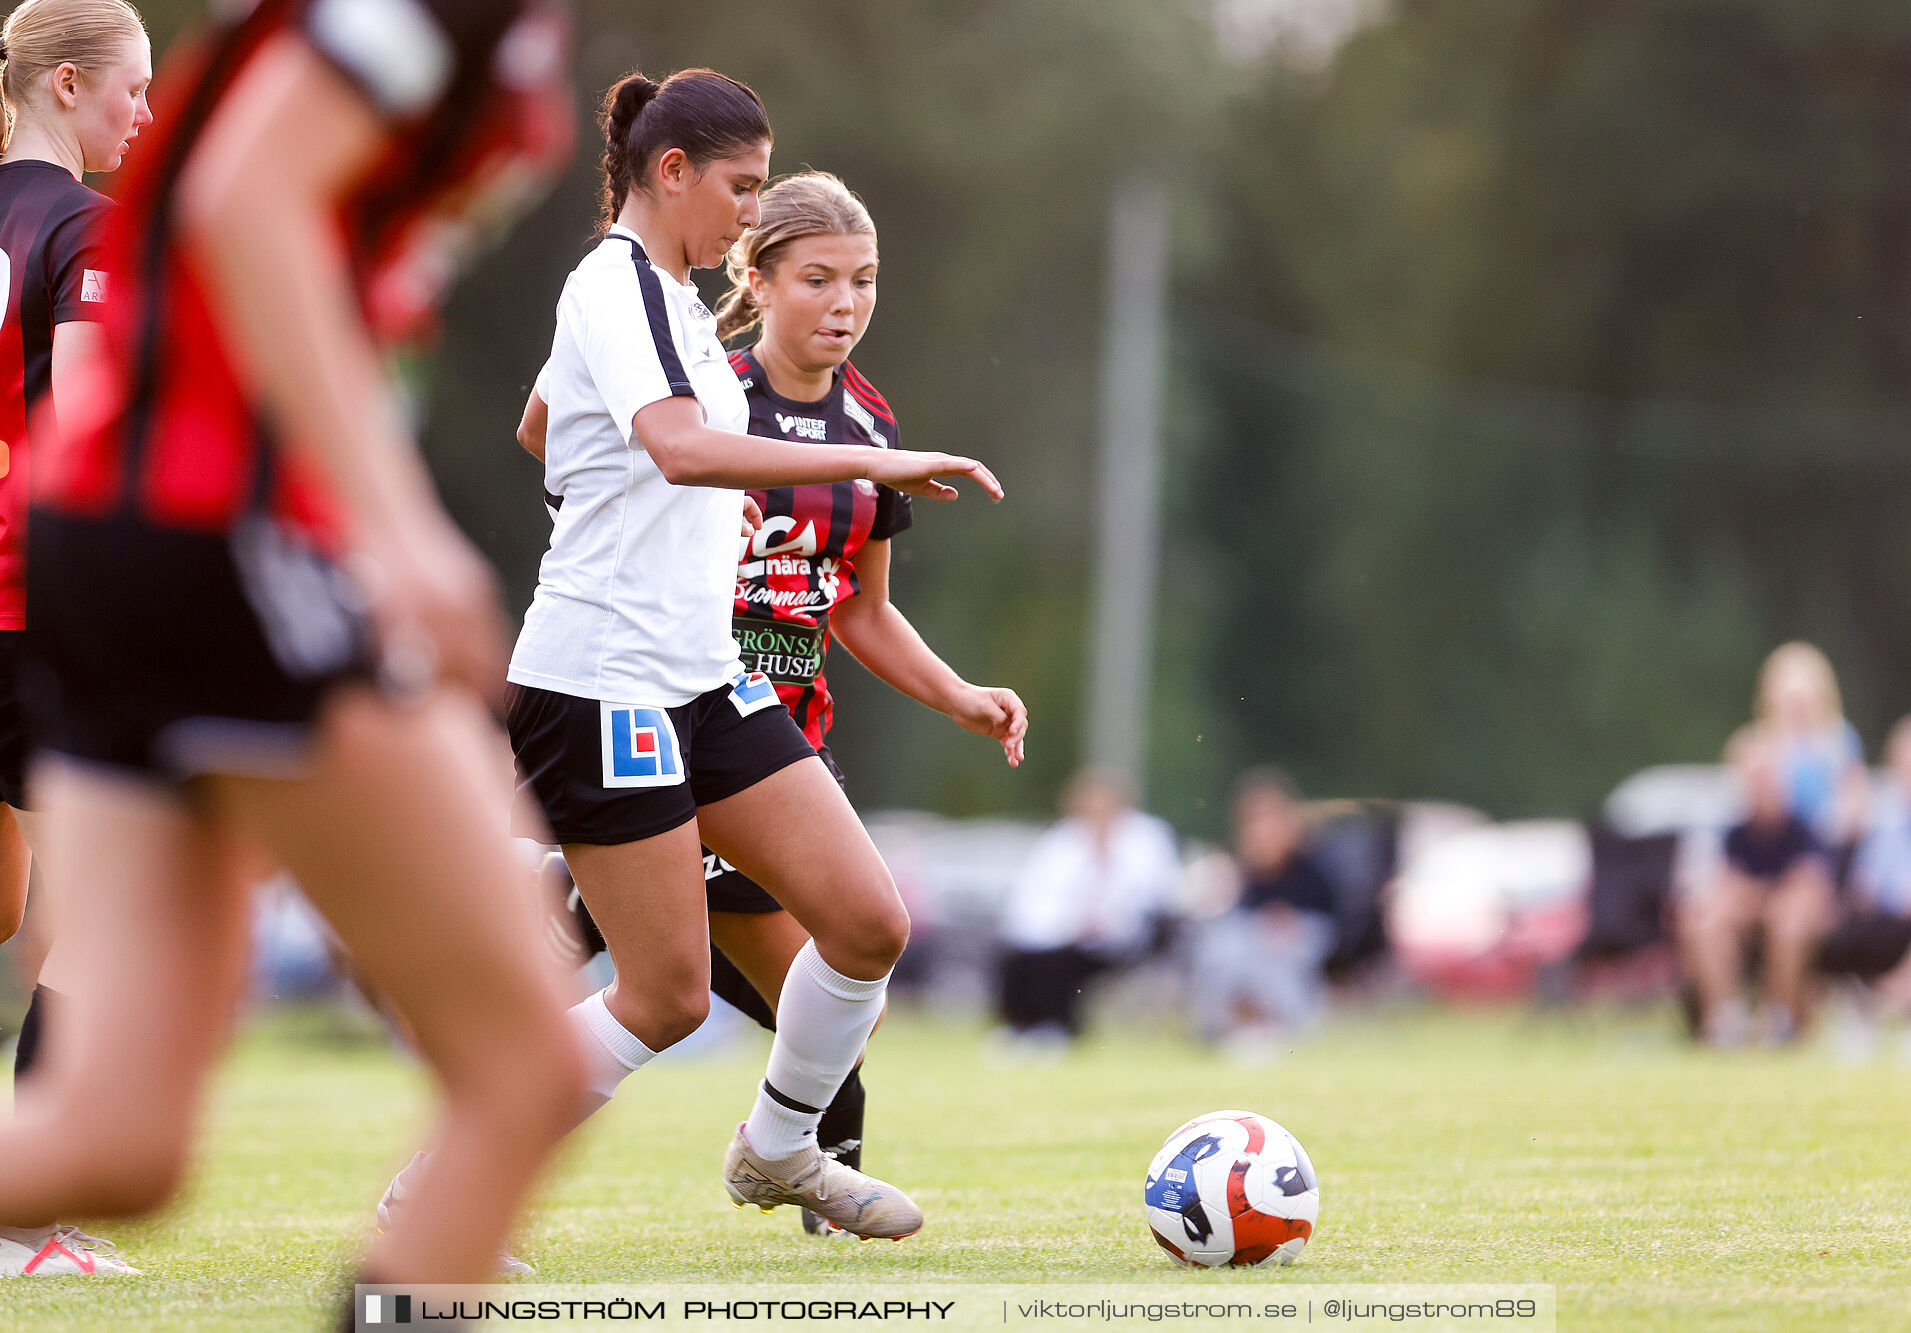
[1129,521]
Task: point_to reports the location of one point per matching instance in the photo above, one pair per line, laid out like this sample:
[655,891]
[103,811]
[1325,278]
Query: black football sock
[841,1131]
[735,990]
[26,1053]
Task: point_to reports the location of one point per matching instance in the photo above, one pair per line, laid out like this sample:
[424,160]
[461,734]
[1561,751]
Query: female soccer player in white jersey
[212,679]
[634,721]
[73,76]
[818,568]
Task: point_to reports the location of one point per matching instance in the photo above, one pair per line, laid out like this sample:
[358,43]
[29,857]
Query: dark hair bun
[704,113]
[626,102]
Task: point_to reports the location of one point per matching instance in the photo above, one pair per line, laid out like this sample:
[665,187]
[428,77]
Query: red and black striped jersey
[52,272]
[475,98]
[802,565]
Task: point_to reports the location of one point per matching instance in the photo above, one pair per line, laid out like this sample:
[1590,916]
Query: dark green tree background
[1536,368]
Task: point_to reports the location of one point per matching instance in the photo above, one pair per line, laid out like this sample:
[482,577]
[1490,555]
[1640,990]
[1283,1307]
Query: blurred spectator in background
[1088,900]
[1774,879]
[1257,968]
[1872,939]
[1822,761]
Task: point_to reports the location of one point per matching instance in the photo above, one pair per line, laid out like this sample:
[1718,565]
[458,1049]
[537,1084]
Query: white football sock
[823,1021]
[612,1051]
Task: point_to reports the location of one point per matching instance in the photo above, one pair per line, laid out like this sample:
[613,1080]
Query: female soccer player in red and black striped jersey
[818,568]
[818,565]
[73,76]
[214,678]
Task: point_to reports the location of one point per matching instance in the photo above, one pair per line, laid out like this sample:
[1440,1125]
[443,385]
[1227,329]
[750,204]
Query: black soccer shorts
[608,773]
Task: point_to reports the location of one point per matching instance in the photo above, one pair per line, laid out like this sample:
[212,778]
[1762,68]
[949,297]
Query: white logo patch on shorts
[752,692]
[640,747]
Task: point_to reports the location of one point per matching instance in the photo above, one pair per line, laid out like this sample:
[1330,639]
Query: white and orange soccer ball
[1232,1188]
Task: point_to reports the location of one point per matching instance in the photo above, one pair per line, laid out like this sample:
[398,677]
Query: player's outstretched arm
[691,453]
[257,210]
[879,636]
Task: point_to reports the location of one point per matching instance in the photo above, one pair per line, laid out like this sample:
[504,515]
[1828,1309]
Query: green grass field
[1658,1187]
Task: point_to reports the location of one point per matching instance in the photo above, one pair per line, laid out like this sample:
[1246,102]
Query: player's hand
[752,517]
[436,606]
[996,713]
[916,473]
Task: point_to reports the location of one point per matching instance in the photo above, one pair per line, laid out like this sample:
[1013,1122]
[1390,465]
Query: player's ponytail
[41,35]
[811,203]
[622,105]
[708,115]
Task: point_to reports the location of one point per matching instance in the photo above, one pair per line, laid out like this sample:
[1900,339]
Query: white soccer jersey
[634,597]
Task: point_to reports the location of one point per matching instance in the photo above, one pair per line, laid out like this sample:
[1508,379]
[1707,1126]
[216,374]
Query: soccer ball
[1232,1188]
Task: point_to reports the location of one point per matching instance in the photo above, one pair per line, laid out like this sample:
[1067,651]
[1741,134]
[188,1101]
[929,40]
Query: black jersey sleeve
[894,514]
[76,267]
[407,55]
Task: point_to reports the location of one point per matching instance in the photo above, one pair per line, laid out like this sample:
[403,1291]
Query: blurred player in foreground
[215,680]
[805,276]
[73,76]
[634,721]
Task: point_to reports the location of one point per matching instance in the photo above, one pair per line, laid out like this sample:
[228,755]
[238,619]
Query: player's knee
[663,1011]
[874,940]
[680,1013]
[892,932]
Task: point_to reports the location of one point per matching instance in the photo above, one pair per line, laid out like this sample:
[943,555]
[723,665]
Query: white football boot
[59,1252]
[812,1179]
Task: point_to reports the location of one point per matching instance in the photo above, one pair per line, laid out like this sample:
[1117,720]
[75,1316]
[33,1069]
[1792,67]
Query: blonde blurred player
[73,76]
